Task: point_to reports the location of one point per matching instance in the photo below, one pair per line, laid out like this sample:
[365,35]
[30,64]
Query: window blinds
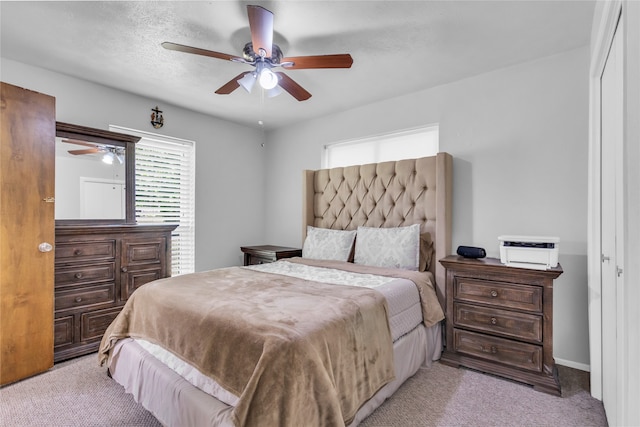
[165,193]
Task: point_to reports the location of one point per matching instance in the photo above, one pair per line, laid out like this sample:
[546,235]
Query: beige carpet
[79,393]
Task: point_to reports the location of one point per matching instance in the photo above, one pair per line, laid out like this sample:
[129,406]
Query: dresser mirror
[95,176]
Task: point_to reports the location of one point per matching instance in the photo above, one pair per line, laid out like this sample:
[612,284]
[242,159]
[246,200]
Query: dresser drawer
[512,353]
[93,324]
[63,331]
[76,275]
[85,296]
[134,278]
[85,250]
[143,251]
[503,295]
[523,326]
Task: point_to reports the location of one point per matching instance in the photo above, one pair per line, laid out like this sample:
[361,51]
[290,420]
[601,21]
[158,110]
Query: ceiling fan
[109,153]
[261,53]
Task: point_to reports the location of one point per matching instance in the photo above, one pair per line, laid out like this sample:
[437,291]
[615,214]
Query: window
[407,144]
[165,191]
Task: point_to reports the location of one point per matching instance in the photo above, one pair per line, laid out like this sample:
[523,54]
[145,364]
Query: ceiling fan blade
[77,142]
[261,25]
[198,51]
[87,151]
[231,85]
[288,84]
[342,60]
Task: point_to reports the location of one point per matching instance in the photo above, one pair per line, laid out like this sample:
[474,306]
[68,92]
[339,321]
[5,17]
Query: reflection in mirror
[90,180]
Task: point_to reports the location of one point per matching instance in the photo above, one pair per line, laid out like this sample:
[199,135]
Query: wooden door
[27,162]
[612,230]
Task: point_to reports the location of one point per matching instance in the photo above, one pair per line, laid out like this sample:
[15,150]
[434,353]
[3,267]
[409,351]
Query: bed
[319,340]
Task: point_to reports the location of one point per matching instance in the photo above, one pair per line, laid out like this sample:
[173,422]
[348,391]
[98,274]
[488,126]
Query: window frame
[183,237]
[374,142]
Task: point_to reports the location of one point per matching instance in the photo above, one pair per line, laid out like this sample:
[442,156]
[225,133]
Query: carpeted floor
[79,393]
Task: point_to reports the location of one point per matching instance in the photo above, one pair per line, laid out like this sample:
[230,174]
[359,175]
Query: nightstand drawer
[254,260]
[267,253]
[523,326]
[512,353]
[503,295]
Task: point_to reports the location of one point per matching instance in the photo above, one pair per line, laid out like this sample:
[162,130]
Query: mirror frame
[99,136]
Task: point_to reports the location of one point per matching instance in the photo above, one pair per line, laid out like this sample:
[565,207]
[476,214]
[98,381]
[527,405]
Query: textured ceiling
[398,47]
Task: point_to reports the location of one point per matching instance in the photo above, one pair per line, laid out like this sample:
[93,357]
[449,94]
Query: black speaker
[471,252]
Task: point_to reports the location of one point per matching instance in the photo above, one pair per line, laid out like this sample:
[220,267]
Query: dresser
[499,320]
[97,268]
[267,253]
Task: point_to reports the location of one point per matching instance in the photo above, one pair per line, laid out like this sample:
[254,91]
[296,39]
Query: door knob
[45,247]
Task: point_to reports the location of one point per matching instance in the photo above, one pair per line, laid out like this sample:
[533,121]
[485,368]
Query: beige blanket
[432,311]
[296,352]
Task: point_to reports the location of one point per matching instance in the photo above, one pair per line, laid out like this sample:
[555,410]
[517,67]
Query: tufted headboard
[387,194]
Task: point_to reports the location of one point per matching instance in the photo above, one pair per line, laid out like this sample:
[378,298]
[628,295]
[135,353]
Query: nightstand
[267,253]
[499,320]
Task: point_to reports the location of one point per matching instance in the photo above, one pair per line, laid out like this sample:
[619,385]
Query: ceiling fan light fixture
[248,81]
[277,90]
[268,79]
[108,157]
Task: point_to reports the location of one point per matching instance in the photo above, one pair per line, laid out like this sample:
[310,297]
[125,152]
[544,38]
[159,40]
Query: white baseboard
[572,364]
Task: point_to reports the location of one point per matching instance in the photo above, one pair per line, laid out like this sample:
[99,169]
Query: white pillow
[324,243]
[397,247]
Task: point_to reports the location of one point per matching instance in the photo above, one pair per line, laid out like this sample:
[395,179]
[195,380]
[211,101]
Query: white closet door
[612,236]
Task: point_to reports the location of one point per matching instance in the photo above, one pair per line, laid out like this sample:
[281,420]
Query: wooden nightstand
[499,320]
[267,253]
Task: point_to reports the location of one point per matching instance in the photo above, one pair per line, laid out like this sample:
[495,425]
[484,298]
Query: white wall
[518,135]
[519,138]
[229,157]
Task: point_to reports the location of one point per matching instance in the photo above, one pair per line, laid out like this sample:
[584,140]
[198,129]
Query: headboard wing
[387,194]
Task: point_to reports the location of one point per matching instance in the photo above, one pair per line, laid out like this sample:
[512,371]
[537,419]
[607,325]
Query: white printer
[536,252]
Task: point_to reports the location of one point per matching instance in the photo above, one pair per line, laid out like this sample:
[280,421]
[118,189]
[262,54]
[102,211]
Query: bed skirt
[175,402]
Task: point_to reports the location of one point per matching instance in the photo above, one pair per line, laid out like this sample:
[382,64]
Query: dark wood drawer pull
[490,349]
[494,321]
[78,299]
[493,293]
[78,275]
[77,252]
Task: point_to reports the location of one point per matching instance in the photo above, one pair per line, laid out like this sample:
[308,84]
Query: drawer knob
[78,299]
[77,252]
[492,349]
[123,269]
[494,320]
[493,293]
[78,275]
